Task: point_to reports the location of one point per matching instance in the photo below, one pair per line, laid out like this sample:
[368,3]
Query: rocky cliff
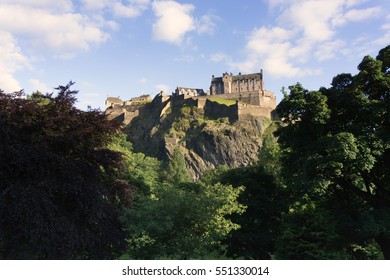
[204,143]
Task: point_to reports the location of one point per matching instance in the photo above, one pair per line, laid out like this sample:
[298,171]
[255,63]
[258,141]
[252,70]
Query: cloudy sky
[132,47]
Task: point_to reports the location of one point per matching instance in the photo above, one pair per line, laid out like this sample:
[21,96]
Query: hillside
[205,143]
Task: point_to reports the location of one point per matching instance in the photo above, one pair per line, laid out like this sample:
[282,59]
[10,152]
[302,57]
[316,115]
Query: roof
[246,77]
[114,100]
[197,89]
[237,77]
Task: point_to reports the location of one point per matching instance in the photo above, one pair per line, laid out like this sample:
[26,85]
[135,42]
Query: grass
[223,101]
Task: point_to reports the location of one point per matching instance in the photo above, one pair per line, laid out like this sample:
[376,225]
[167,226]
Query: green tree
[141,171]
[186,221]
[259,224]
[176,171]
[309,232]
[270,152]
[336,144]
[39,98]
[57,180]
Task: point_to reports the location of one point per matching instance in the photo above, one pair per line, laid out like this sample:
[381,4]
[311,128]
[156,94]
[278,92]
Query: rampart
[214,110]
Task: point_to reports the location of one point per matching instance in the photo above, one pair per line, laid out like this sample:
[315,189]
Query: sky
[132,47]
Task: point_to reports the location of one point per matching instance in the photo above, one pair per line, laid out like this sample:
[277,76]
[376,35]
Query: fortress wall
[133,107]
[166,107]
[118,116]
[215,110]
[181,100]
[201,103]
[258,98]
[113,113]
[252,97]
[268,100]
[129,116]
[159,99]
[177,100]
[245,109]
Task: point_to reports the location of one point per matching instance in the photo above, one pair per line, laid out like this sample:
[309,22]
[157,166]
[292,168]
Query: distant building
[188,91]
[228,83]
[112,101]
[142,98]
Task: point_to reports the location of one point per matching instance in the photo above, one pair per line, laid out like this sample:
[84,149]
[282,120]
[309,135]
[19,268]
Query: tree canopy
[57,176]
[336,147]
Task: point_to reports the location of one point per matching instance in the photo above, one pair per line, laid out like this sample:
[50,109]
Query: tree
[259,224]
[181,221]
[57,180]
[309,232]
[176,171]
[336,147]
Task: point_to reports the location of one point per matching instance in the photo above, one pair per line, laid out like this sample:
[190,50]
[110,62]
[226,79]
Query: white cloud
[121,9]
[40,86]
[329,50]
[311,17]
[304,29]
[174,20]
[206,24]
[45,27]
[357,15]
[219,56]
[143,81]
[367,44]
[58,5]
[133,8]
[96,4]
[162,87]
[63,33]
[11,60]
[185,58]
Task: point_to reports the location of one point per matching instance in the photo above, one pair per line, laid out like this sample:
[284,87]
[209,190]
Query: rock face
[205,144]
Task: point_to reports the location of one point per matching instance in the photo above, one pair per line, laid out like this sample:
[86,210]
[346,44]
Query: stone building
[111,102]
[142,98]
[188,91]
[228,83]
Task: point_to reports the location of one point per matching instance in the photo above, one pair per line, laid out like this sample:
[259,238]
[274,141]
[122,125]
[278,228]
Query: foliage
[176,171]
[260,222]
[183,121]
[57,177]
[309,232]
[172,217]
[270,152]
[184,221]
[139,170]
[336,145]
[39,98]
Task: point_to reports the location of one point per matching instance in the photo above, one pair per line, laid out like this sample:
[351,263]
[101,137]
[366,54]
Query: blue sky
[132,47]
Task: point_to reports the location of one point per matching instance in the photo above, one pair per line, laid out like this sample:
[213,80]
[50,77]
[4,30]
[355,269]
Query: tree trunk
[384,244]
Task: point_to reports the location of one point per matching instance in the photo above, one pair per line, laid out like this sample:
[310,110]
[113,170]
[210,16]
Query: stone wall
[129,116]
[246,109]
[214,110]
[181,100]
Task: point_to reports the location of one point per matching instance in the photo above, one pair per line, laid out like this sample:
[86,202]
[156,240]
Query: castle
[246,90]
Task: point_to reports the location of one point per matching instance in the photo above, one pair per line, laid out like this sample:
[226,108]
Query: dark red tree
[55,179]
